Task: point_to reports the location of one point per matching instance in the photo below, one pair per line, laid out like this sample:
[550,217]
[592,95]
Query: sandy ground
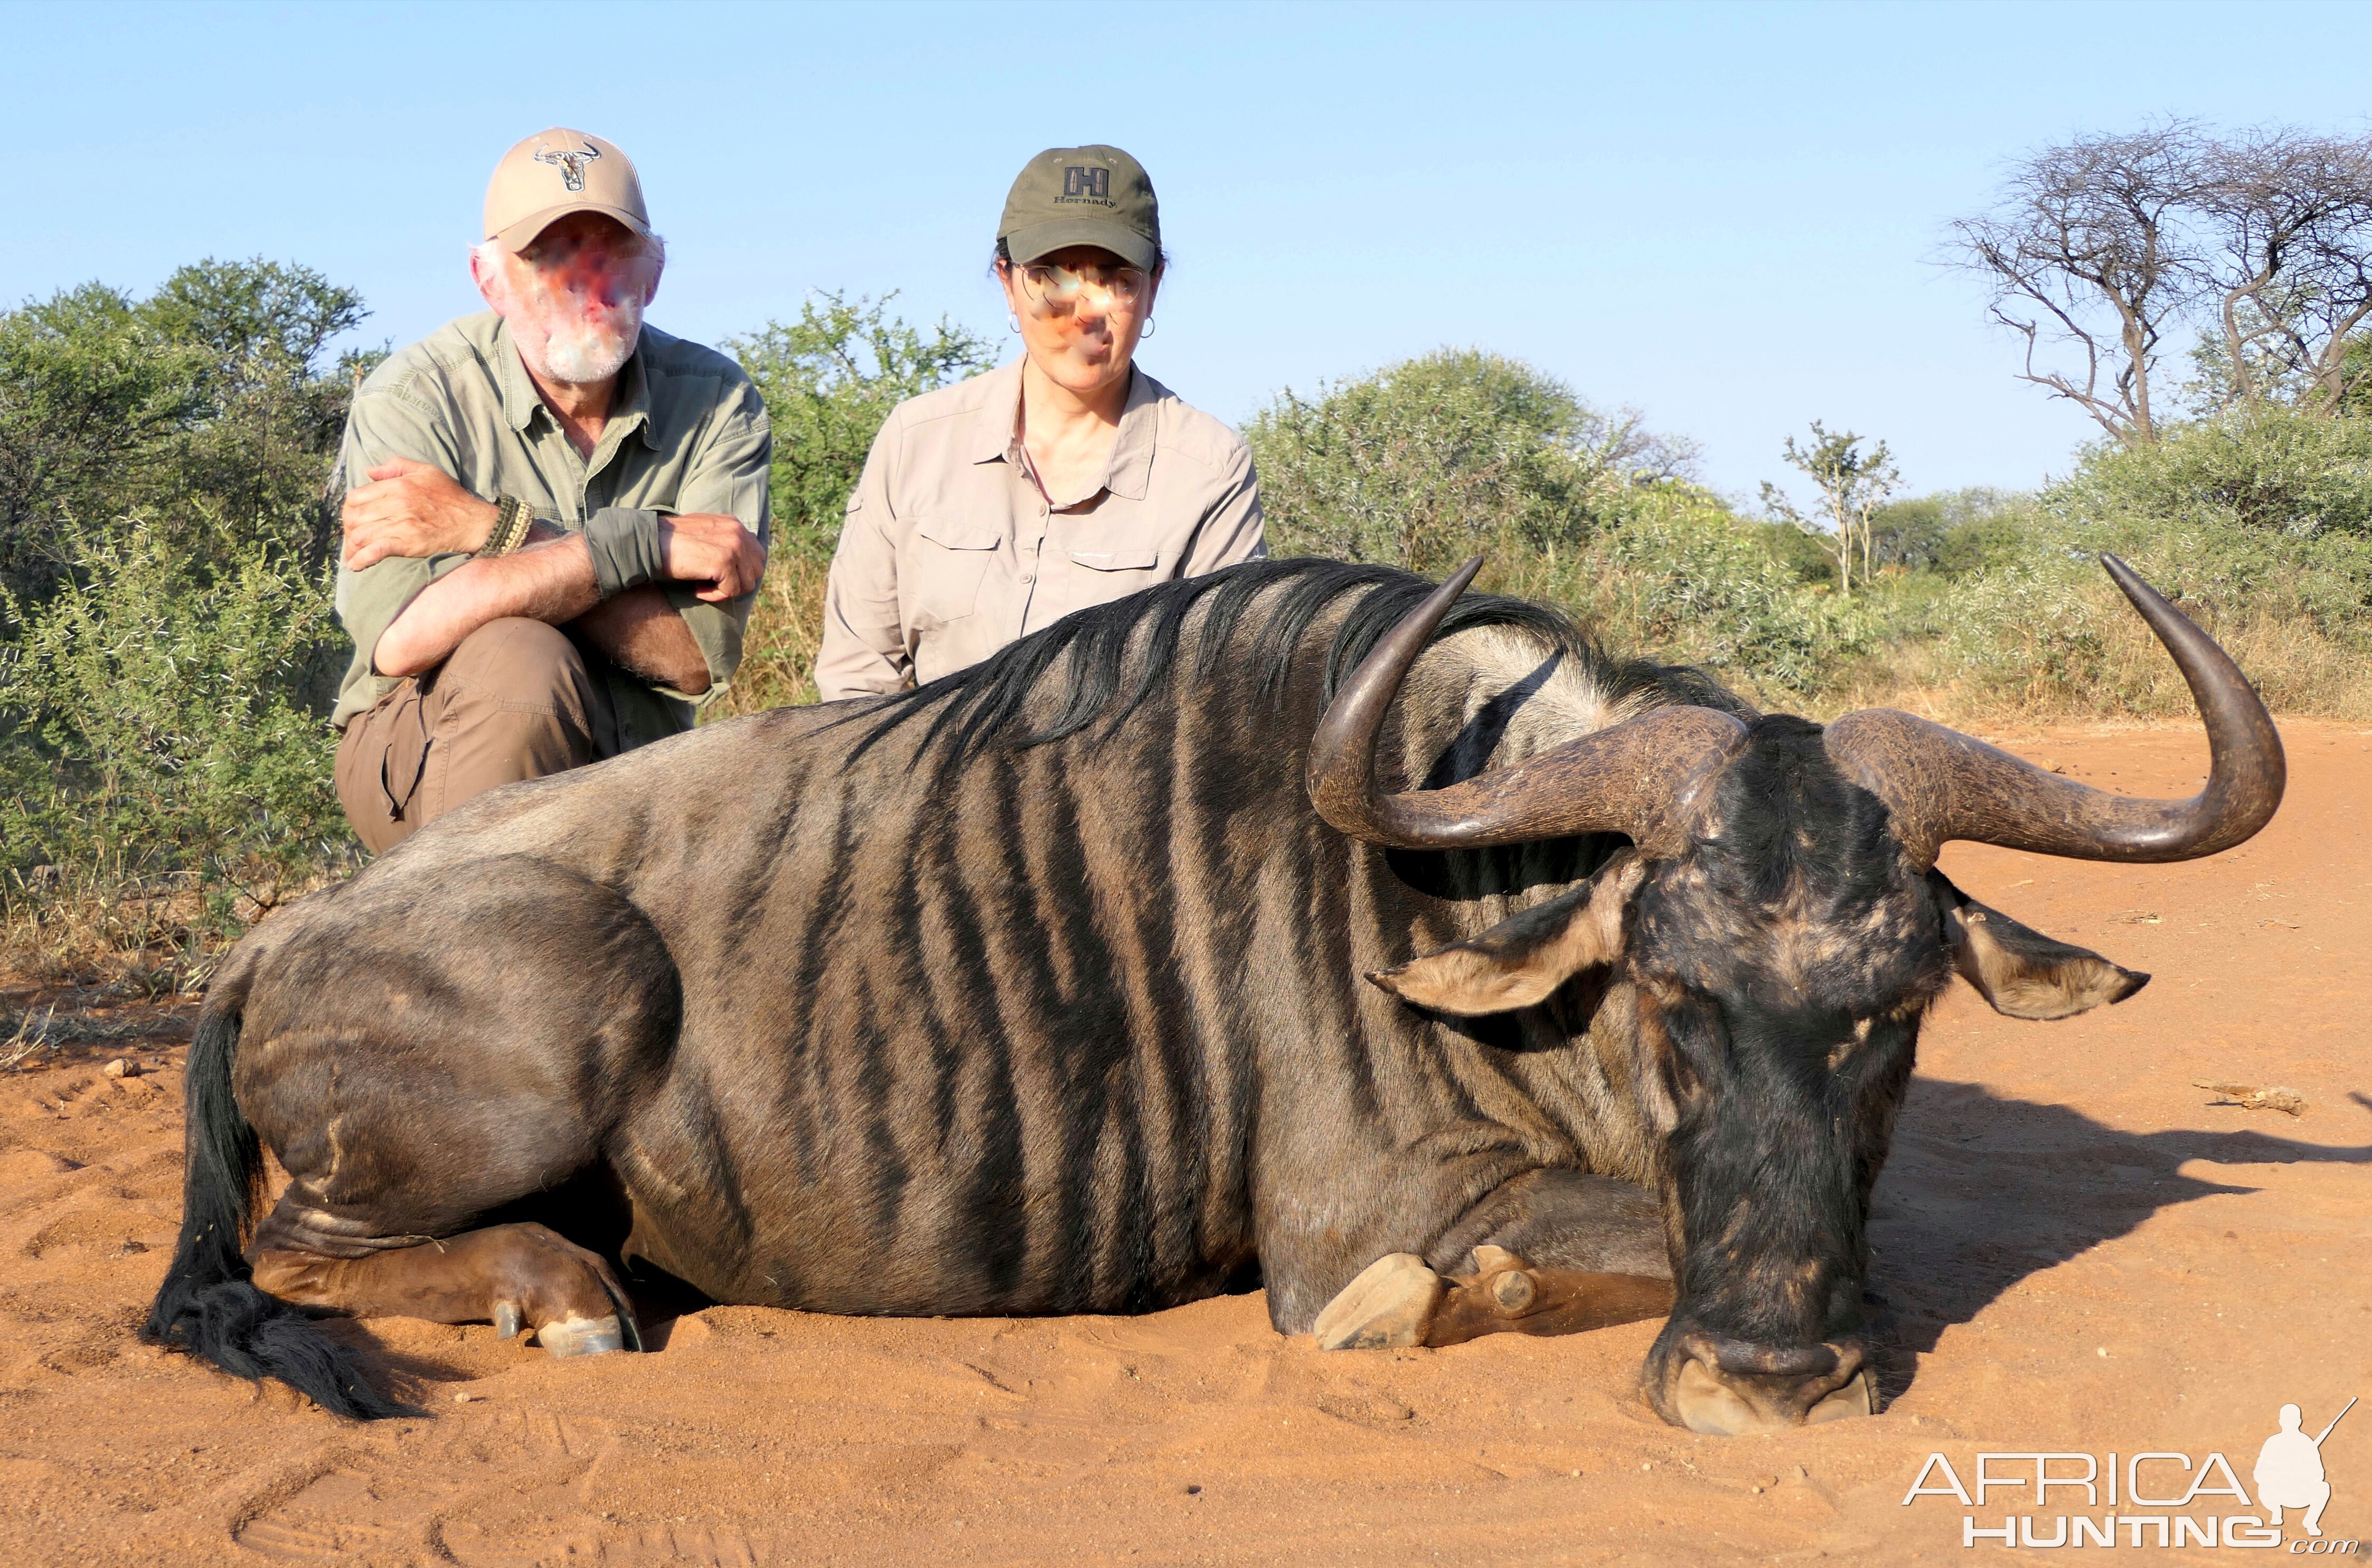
[2077,1251]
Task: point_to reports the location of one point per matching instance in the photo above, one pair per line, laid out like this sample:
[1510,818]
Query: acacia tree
[2289,263]
[1854,484]
[2263,242]
[2088,245]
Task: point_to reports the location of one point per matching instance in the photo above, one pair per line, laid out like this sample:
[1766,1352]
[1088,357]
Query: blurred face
[575,298]
[1081,309]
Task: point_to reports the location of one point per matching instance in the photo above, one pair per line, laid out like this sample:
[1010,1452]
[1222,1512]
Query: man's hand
[708,547]
[412,509]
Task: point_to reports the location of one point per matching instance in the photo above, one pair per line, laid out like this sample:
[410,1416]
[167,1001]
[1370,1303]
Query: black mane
[983,704]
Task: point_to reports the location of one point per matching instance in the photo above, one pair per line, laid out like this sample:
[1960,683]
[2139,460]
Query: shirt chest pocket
[1114,573]
[947,561]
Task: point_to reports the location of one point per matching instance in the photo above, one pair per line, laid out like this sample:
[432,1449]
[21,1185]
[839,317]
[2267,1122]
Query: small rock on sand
[121,1067]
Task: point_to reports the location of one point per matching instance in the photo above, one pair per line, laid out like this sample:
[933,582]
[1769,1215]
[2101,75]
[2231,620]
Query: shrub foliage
[167,645]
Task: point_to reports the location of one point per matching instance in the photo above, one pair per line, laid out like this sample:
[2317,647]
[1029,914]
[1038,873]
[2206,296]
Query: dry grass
[2297,668]
[778,652]
[2294,666]
[44,1030]
[151,937]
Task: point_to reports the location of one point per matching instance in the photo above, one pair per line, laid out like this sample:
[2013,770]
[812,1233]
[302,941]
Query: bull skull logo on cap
[572,162]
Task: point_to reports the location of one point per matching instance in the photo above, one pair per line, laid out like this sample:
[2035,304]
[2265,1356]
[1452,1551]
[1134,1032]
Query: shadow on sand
[1981,1192]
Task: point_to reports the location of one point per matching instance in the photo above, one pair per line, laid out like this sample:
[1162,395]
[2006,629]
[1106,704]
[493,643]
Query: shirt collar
[1127,473]
[630,410]
[999,412]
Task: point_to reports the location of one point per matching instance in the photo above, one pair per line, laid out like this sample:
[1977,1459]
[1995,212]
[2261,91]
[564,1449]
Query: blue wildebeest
[1038,990]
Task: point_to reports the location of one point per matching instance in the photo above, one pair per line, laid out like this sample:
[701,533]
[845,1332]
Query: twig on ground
[2249,1097]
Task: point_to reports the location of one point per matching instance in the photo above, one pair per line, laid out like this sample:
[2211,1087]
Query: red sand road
[2079,1251]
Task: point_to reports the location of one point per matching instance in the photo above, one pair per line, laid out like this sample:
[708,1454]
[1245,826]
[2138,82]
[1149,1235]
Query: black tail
[208,1304]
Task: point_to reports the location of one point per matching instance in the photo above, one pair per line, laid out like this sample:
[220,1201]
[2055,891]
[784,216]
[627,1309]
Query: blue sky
[1724,214]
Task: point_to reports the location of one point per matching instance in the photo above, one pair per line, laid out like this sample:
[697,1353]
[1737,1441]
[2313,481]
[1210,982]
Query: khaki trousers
[513,702]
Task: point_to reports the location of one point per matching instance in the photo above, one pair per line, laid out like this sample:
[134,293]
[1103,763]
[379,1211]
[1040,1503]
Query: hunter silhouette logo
[2289,1470]
[2152,1497]
[572,162]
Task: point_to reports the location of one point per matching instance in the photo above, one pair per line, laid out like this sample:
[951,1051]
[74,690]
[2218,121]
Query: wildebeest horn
[1624,779]
[1940,784]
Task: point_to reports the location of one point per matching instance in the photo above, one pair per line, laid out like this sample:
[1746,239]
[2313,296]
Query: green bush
[2269,470]
[157,720]
[208,407]
[167,650]
[829,379]
[1951,532]
[2247,523]
[1686,579]
[1425,461]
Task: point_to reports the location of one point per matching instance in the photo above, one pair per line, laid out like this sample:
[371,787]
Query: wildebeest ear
[2022,972]
[1524,959]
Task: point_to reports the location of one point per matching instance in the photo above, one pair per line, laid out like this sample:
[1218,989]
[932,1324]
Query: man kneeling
[564,518]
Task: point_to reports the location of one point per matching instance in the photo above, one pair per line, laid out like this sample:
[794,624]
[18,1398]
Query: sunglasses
[1048,285]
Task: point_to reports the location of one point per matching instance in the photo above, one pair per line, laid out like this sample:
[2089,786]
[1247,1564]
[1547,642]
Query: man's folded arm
[385,426]
[611,584]
[727,477]
[550,580]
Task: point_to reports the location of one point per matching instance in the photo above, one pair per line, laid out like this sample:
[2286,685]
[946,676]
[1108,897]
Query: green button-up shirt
[687,432]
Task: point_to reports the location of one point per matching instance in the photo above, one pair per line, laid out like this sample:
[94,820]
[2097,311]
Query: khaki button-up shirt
[950,549]
[686,433]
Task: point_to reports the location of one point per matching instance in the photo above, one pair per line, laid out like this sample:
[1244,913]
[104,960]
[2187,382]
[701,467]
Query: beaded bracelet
[512,520]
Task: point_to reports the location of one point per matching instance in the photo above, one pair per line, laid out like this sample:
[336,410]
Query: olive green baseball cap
[1094,195]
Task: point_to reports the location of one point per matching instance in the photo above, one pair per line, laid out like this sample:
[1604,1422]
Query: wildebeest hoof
[1856,1398]
[1504,1280]
[582,1336]
[507,1321]
[1507,1295]
[1512,1292]
[1391,1304]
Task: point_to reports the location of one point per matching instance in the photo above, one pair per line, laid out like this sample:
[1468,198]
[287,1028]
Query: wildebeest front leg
[1552,1252]
[518,1275]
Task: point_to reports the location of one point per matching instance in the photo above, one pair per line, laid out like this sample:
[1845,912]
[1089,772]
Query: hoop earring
[1148,329]
[1013,324]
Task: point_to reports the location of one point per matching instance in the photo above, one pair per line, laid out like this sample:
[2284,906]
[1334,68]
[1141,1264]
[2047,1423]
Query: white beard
[579,352]
[574,351]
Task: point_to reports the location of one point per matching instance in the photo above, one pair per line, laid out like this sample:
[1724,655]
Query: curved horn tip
[2126,578]
[1458,581]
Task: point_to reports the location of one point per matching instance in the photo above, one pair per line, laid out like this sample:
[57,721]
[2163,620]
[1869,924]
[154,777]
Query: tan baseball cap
[554,174]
